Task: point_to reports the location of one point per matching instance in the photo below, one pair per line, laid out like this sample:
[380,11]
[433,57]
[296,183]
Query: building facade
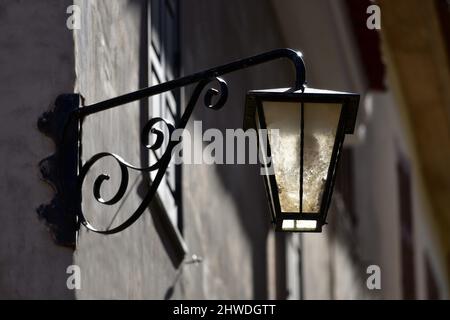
[208,233]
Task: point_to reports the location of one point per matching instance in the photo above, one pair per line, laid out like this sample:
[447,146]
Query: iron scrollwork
[214,98]
[161,163]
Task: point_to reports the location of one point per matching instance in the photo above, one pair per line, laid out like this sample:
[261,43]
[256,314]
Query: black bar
[294,56]
[302,144]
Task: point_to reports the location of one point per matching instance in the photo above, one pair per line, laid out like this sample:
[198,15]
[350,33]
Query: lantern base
[298,225]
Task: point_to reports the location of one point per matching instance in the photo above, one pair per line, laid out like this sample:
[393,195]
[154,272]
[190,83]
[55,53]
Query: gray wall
[132,264]
[335,261]
[225,206]
[226,221]
[37,64]
[225,216]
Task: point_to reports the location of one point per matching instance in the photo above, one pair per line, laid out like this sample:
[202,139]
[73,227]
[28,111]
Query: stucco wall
[134,263]
[388,141]
[225,216]
[225,206]
[37,64]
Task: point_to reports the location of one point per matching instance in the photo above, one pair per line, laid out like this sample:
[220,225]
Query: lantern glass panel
[283,130]
[283,121]
[321,123]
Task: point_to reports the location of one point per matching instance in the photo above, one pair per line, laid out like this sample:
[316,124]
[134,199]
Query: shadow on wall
[221,33]
[155,209]
[243,183]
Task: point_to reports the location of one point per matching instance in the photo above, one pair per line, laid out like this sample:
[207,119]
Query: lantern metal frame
[66,172]
[349,107]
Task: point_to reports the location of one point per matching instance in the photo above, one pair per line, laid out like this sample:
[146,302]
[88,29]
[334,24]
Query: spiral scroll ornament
[219,96]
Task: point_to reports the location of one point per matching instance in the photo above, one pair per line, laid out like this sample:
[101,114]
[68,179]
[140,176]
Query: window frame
[167,202]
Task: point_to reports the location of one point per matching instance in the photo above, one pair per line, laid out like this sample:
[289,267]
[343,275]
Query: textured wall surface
[225,216]
[132,264]
[225,206]
[37,64]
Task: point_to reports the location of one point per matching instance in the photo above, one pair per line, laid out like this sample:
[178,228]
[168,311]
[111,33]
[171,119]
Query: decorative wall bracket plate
[61,169]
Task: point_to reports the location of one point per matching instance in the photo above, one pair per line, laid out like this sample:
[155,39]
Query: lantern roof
[307,90]
[350,102]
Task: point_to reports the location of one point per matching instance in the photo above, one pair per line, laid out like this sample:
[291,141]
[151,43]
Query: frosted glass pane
[283,125]
[321,122]
[283,121]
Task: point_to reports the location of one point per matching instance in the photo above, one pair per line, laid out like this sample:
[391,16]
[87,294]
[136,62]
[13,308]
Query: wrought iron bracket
[66,173]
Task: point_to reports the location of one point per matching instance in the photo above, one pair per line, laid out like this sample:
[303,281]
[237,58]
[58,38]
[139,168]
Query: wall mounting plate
[60,170]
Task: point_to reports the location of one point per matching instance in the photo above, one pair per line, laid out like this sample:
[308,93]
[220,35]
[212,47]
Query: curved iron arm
[202,79]
[294,56]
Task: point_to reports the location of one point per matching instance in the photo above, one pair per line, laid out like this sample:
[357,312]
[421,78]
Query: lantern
[300,136]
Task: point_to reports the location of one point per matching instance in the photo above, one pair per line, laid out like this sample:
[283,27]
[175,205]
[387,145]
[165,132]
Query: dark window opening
[432,286]
[406,231]
[344,184]
[164,46]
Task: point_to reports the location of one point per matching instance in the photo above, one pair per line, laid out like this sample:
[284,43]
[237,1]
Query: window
[344,184]
[280,267]
[406,231]
[163,51]
[294,267]
[432,285]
